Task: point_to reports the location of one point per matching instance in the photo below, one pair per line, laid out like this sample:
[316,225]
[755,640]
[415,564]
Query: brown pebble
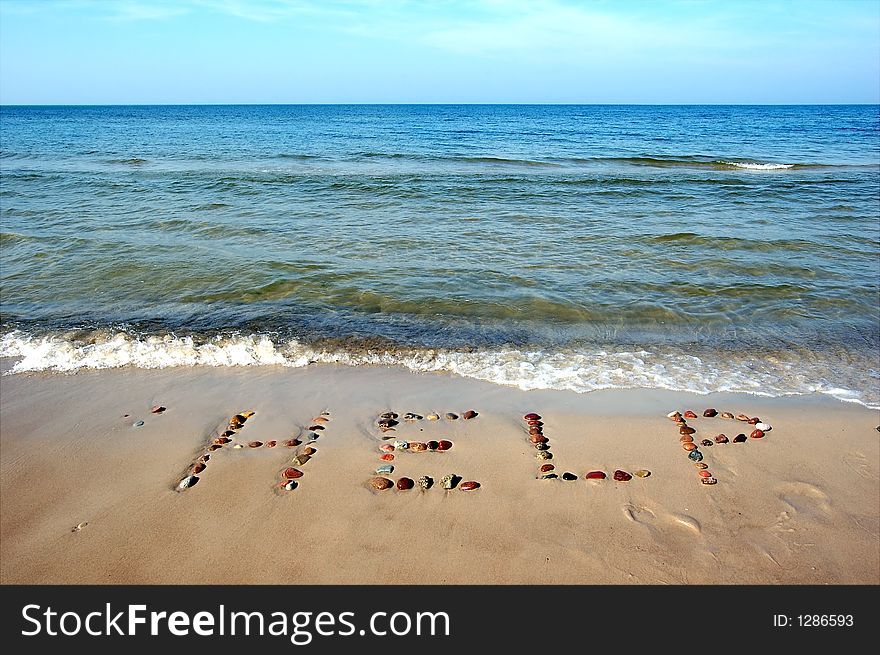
[433,445]
[222,440]
[532,417]
[538,438]
[727,415]
[292,443]
[198,467]
[271,444]
[686,430]
[739,438]
[291,473]
[468,415]
[709,413]
[721,438]
[546,467]
[689,446]
[675,418]
[309,451]
[157,409]
[418,446]
[595,475]
[742,417]
[214,447]
[686,438]
[689,414]
[313,428]
[320,419]
[535,424]
[701,465]
[536,430]
[405,483]
[255,444]
[443,444]
[757,434]
[380,484]
[622,476]
[470,485]
[754,420]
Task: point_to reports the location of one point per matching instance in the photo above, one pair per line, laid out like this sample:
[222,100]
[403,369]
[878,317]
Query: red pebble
[532,417]
[197,468]
[686,429]
[271,444]
[754,420]
[709,413]
[292,443]
[689,414]
[704,474]
[255,444]
[622,476]
[538,438]
[405,483]
[596,475]
[444,445]
[386,448]
[387,457]
[470,485]
[291,473]
[757,434]
[547,467]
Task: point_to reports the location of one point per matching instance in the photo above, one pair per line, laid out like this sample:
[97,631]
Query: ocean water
[700,248]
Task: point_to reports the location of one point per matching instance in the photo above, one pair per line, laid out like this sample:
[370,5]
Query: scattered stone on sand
[643,473]
[425,482]
[695,456]
[532,417]
[222,440]
[292,443]
[686,438]
[214,446]
[596,475]
[387,448]
[380,484]
[548,476]
[443,444]
[291,473]
[451,417]
[384,430]
[187,482]
[432,445]
[255,444]
[686,429]
[757,434]
[137,424]
[79,526]
[316,428]
[388,416]
[689,446]
[543,454]
[468,415]
[204,458]
[674,416]
[386,423]
[196,468]
[469,485]
[538,438]
[707,442]
[701,465]
[449,481]
[622,476]
[535,430]
[704,474]
[405,483]
[271,444]
[721,438]
[387,457]
[708,480]
[542,446]
[308,450]
[301,459]
[157,409]
[546,468]
[764,427]
[320,419]
[400,444]
[569,476]
[754,420]
[433,417]
[385,469]
[727,415]
[290,485]
[410,416]
[709,413]
[740,438]
[238,446]
[418,446]
[689,414]
[742,417]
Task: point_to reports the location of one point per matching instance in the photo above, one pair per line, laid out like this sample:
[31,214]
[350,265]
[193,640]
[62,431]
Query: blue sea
[700,248]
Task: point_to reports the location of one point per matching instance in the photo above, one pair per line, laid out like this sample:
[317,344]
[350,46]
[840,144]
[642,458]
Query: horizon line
[439,104]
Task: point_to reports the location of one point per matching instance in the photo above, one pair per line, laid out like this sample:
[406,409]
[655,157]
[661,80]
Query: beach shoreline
[799,506]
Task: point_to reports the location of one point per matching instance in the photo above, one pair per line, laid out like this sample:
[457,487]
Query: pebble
[222,440]
[187,482]
[228,433]
[380,484]
[595,475]
[204,458]
[290,485]
[763,426]
[701,465]
[198,467]
[443,444]
[538,438]
[569,476]
[291,473]
[451,417]
[418,446]
[740,438]
[532,417]
[385,469]
[433,417]
[386,448]
[622,476]
[432,445]
[642,473]
[705,474]
[708,480]
[754,420]
[709,413]
[255,444]
[247,414]
[271,444]
[548,476]
[721,438]
[686,438]
[757,434]
[686,429]
[675,416]
[79,526]
[387,457]
[314,428]
[320,419]
[706,442]
[689,414]
[543,454]
[137,424]
[299,460]
[468,415]
[696,456]
[292,443]
[542,446]
[405,483]
[400,444]
[727,415]
[425,482]
[157,409]
[689,446]
[238,446]
[309,451]
[536,424]
[214,446]
[448,481]
[409,416]
[742,417]
[546,468]
[469,485]
[536,430]
[388,416]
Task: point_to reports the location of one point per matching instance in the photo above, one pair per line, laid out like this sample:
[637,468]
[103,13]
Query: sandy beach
[799,506]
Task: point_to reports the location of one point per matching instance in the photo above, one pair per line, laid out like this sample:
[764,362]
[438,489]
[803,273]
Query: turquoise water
[578,247]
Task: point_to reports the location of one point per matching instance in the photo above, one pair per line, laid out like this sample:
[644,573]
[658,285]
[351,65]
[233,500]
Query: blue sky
[391,51]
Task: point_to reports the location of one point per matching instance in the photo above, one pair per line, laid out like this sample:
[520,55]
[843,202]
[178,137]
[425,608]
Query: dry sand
[799,506]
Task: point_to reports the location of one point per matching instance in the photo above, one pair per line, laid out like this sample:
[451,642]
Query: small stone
[409,416]
[757,434]
[137,424]
[79,526]
[247,414]
[405,483]
[622,476]
[595,475]
[418,446]
[432,445]
[708,480]
[214,446]
[443,444]
[689,414]
[271,444]
[469,485]
[543,454]
[320,419]
[686,438]
[740,438]
[763,427]
[707,442]
[238,446]
[535,424]
[157,409]
[433,417]
[721,438]
[532,417]
[709,413]
[385,469]
[569,476]
[705,474]
[315,428]
[380,484]
[538,438]
[642,473]
[727,415]
[255,444]
[674,416]
[689,446]
[187,482]
[425,482]
[290,485]
[548,476]
[198,467]
[542,446]
[468,415]
[386,448]
[299,460]
[536,430]
[222,440]
[387,457]
[451,417]
[448,481]
[701,465]
[400,444]
[742,417]
[292,443]
[228,433]
[291,473]
[545,468]
[388,416]
[754,420]
[204,458]
[695,456]
[308,450]
[686,429]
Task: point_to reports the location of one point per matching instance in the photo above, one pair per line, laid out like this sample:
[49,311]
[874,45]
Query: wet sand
[801,505]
